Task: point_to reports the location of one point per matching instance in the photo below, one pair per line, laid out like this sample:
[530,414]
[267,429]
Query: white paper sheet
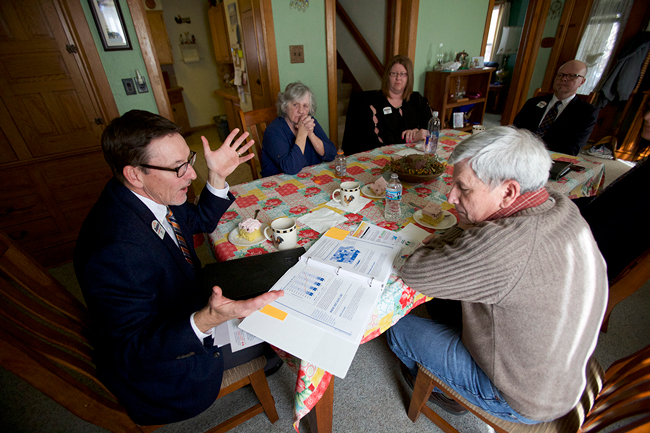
[329,297]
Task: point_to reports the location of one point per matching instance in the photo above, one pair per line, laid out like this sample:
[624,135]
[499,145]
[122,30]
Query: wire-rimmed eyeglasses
[569,77]
[180,170]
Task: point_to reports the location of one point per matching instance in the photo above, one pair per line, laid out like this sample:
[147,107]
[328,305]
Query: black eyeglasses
[569,77]
[180,170]
[400,74]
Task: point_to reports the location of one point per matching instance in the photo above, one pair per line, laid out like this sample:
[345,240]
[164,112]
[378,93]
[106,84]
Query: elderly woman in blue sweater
[295,139]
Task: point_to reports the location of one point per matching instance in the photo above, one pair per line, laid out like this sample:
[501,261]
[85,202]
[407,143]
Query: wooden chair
[255,122]
[44,333]
[588,98]
[620,395]
[631,279]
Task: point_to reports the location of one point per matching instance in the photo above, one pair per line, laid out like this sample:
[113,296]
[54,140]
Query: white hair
[504,153]
[293,92]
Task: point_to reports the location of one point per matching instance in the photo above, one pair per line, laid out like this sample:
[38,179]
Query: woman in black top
[394,114]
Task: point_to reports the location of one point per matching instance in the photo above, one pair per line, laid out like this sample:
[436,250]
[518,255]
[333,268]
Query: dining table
[310,190]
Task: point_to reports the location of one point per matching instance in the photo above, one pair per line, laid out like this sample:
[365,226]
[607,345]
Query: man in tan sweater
[531,281]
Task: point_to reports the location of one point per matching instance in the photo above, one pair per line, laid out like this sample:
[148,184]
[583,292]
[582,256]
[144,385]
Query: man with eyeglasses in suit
[141,278]
[563,121]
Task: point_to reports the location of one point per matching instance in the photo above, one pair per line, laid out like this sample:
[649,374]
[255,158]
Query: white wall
[199,80]
[371,22]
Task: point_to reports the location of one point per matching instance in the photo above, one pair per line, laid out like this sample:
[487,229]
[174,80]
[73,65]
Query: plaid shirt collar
[524,201]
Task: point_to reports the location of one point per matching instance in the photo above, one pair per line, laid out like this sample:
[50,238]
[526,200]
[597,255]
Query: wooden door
[42,87]
[255,55]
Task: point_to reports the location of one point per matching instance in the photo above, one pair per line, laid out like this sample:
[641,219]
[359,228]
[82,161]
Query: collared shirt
[160,212]
[560,108]
[524,201]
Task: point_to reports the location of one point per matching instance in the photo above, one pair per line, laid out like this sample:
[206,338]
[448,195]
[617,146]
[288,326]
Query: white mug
[284,233]
[477,128]
[349,193]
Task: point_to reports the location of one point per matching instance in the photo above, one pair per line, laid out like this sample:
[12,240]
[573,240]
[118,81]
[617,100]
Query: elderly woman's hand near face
[309,124]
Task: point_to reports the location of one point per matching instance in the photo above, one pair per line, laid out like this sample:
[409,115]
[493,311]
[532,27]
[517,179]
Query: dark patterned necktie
[548,120]
[179,236]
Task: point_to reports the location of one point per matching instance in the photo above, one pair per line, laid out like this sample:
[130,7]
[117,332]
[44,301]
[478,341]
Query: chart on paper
[307,285]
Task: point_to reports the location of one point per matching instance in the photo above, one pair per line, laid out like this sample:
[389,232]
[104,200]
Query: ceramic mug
[477,128]
[284,233]
[349,193]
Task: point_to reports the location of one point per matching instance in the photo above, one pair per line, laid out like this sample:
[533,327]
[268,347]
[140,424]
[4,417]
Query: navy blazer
[570,131]
[140,292]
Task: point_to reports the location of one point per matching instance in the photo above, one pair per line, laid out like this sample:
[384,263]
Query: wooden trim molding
[332,84]
[266,12]
[486,30]
[143,33]
[527,54]
[88,58]
[408,27]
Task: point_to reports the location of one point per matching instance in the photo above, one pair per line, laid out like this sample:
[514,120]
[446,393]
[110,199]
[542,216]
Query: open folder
[252,276]
[329,297]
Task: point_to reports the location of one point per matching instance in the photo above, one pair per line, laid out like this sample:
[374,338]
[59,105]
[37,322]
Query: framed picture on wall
[110,24]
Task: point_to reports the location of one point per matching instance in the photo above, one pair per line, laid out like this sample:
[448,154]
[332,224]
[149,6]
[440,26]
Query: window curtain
[502,21]
[604,28]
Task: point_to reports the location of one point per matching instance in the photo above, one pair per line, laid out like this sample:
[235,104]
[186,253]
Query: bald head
[569,78]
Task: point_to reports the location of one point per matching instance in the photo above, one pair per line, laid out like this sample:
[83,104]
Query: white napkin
[322,220]
[409,151]
[354,208]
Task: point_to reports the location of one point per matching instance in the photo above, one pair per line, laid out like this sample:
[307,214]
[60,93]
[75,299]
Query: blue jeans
[438,348]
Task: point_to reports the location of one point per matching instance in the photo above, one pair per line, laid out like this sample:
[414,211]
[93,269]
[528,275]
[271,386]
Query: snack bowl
[417,168]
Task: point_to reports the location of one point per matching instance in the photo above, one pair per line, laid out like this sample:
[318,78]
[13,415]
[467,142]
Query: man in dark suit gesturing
[139,273]
[562,120]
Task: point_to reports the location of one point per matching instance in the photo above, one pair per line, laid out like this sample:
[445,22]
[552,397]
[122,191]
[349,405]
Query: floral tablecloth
[294,196]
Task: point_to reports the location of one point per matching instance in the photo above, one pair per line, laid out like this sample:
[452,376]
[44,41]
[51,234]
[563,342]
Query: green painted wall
[550,28]
[457,25]
[293,27]
[122,64]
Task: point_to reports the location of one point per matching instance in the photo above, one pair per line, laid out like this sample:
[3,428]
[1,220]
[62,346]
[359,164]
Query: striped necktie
[179,236]
[548,120]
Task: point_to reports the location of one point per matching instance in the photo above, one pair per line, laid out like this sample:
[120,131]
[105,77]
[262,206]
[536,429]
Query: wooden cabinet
[220,39]
[440,89]
[231,101]
[160,37]
[177,103]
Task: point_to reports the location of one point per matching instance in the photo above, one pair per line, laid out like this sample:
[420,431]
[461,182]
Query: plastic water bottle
[431,144]
[393,208]
[340,165]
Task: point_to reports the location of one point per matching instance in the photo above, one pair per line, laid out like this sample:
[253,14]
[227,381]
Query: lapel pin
[158,228]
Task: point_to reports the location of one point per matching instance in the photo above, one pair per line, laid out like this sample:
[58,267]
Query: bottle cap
[339,152]
[394,175]
[435,114]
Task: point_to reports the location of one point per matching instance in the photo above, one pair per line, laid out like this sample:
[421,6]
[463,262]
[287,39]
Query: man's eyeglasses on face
[398,74]
[569,77]
[180,170]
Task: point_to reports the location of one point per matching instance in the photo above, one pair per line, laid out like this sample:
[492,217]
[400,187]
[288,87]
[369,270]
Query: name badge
[541,104]
[388,110]
[158,228]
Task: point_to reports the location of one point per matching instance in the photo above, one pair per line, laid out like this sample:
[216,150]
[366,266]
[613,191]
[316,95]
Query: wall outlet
[297,53]
[129,86]
[142,88]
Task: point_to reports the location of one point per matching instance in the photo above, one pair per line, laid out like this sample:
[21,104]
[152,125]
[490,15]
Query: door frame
[531,38]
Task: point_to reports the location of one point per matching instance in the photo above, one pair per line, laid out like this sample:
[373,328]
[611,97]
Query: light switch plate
[297,53]
[129,86]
